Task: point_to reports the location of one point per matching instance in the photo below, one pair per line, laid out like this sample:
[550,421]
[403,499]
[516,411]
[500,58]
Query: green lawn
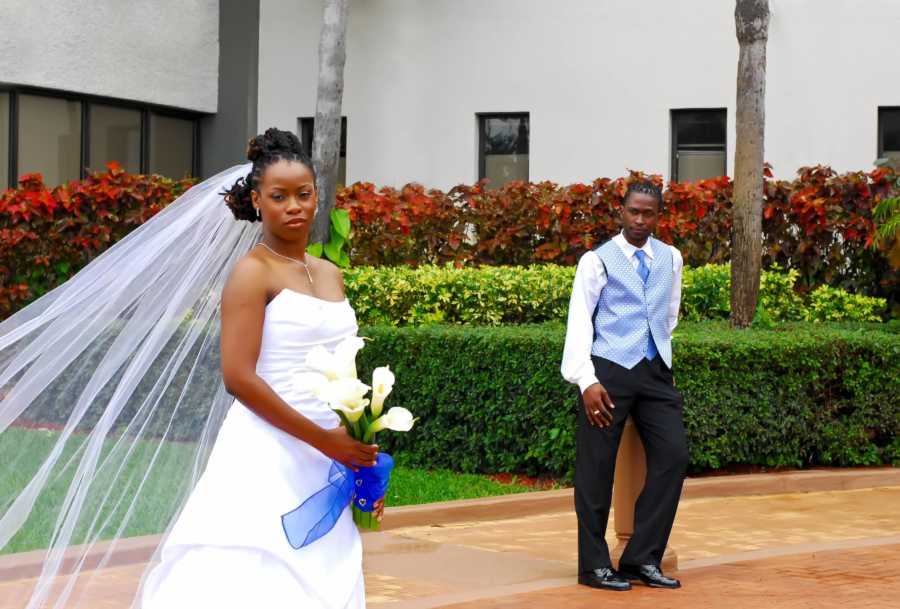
[23,450]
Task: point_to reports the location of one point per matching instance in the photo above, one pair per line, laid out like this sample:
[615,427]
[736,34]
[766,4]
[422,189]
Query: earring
[258,214]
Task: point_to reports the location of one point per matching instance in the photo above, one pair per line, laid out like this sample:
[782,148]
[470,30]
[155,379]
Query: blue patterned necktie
[644,272]
[642,269]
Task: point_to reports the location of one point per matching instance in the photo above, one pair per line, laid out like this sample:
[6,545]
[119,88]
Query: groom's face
[640,214]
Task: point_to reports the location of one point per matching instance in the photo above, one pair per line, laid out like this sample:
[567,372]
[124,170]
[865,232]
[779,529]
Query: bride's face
[286,199]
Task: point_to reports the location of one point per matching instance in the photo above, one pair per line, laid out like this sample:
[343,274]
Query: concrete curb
[130,551]
[523,504]
[135,550]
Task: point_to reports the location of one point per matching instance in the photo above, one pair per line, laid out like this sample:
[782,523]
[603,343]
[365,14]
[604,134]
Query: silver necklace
[306,268]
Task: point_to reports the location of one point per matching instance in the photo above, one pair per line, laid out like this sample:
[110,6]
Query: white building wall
[598,78]
[162,52]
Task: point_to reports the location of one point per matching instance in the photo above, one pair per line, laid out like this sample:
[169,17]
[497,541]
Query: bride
[146,311]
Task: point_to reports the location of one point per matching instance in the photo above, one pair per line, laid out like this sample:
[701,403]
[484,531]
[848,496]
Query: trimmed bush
[433,294]
[491,399]
[538,293]
[831,304]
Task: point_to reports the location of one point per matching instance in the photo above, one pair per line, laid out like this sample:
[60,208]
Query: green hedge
[189,390]
[494,295]
[492,399]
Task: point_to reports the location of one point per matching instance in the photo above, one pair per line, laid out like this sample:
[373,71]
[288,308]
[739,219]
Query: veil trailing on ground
[111,395]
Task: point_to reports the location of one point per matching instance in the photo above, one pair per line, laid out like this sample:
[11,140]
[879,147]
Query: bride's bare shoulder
[249,279]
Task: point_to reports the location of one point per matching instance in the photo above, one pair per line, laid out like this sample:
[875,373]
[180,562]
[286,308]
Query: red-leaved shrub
[46,235]
[819,223]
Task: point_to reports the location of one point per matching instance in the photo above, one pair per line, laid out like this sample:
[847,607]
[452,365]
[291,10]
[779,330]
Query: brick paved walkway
[817,550]
[704,528]
[849,579]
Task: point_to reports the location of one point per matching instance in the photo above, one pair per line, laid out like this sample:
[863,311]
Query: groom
[618,350]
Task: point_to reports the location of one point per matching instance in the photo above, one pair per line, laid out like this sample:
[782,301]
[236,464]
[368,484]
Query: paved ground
[704,528]
[849,579]
[816,550]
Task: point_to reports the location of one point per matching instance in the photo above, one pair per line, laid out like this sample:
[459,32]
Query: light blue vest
[629,312]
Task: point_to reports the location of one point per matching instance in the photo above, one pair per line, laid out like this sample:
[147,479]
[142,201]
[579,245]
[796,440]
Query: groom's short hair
[645,187]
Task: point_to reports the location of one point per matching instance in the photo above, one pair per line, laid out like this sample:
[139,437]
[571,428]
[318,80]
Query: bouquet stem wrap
[318,514]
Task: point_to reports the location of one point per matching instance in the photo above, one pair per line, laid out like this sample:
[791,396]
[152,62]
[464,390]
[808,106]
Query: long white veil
[111,395]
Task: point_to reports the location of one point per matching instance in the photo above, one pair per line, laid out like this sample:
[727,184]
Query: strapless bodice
[294,324]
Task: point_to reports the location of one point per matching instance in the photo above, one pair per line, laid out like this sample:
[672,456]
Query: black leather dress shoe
[606,579]
[650,575]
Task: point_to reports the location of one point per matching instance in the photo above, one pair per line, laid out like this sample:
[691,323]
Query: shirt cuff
[586,381]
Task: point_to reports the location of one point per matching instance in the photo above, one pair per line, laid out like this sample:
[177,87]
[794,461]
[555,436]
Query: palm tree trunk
[327,136]
[752,21]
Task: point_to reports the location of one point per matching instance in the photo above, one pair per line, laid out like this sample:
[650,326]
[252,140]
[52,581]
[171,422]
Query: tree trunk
[327,133]
[752,20]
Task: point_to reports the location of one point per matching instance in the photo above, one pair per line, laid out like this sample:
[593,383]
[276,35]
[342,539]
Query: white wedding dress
[228,548]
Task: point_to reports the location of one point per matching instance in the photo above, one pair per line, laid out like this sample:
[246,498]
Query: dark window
[49,138]
[4,139]
[698,144]
[63,135]
[503,148]
[115,135]
[171,146]
[889,135]
[308,130]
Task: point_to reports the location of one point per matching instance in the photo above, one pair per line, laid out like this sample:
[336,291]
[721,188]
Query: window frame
[86,108]
[481,118]
[880,126]
[342,149]
[17,92]
[12,137]
[673,140]
[342,145]
[87,101]
[147,119]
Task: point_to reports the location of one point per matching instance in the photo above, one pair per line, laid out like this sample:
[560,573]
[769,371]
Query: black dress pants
[648,394]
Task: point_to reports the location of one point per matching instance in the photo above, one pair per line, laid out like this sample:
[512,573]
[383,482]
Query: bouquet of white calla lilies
[331,377]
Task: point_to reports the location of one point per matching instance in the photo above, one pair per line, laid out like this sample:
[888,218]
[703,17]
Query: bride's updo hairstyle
[263,150]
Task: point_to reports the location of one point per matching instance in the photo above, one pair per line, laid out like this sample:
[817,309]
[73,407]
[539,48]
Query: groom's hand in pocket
[598,405]
[338,445]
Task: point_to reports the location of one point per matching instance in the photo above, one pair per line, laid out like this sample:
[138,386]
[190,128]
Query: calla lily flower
[345,354]
[338,364]
[395,419]
[353,413]
[346,392]
[382,384]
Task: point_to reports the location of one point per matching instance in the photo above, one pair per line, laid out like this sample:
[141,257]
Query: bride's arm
[243,312]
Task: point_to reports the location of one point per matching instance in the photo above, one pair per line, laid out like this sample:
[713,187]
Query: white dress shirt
[590,279]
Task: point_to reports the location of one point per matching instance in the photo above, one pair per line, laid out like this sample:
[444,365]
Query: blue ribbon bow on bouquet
[320,512]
